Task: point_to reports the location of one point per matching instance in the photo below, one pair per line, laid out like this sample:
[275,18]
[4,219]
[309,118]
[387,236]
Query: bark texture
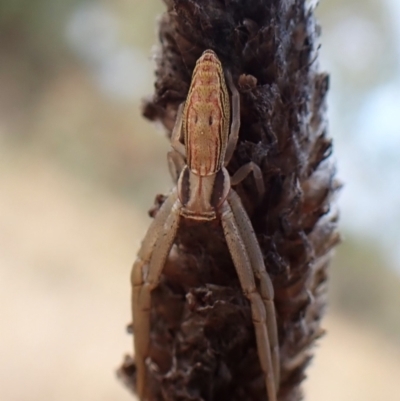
[203,344]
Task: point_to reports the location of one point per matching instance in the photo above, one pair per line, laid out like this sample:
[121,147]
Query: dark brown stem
[203,345]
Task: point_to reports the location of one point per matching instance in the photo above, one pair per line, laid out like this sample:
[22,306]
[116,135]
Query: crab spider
[204,192]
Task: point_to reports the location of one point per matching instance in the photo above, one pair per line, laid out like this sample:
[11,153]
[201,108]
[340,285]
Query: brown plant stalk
[202,337]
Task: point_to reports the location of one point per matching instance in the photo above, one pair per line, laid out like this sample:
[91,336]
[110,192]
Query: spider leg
[145,277]
[177,131]
[247,235]
[175,164]
[242,260]
[235,124]
[244,171]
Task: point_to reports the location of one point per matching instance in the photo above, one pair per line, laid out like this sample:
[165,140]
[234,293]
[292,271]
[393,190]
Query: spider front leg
[256,258]
[177,132]
[176,163]
[248,261]
[145,277]
[249,239]
[176,157]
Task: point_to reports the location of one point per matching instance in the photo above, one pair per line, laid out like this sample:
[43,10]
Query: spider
[204,192]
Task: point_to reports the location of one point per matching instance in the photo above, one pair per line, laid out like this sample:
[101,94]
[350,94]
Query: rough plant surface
[203,343]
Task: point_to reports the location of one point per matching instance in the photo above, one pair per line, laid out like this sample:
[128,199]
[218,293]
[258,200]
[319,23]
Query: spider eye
[210,120]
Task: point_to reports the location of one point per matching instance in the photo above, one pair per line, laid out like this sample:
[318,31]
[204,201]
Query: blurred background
[79,168]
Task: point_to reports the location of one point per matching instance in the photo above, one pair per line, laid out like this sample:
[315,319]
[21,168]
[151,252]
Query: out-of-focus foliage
[358,41]
[52,103]
[364,288]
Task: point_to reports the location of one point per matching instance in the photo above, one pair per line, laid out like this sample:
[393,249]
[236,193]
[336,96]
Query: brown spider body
[203,192]
[204,184]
